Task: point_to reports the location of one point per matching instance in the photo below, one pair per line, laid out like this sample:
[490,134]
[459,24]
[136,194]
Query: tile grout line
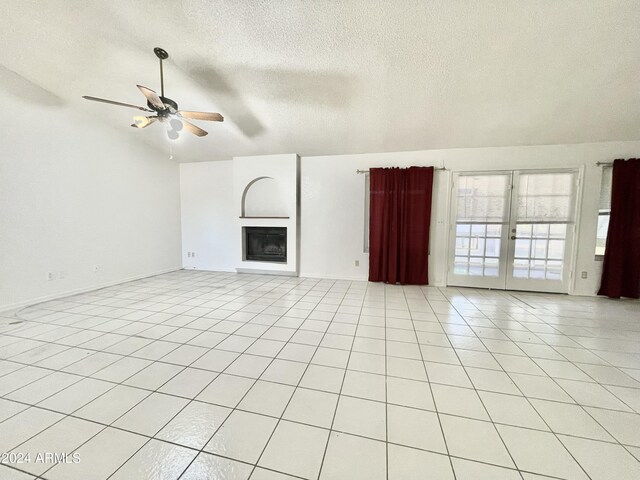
[578,404]
[483,404]
[257,379]
[386,387]
[532,406]
[499,328]
[127,411]
[433,398]
[206,386]
[344,377]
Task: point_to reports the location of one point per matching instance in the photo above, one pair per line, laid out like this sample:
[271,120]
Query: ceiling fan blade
[143,122]
[193,129]
[212,117]
[112,102]
[153,97]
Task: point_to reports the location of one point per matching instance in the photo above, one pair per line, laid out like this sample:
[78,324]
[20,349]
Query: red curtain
[621,268]
[400,213]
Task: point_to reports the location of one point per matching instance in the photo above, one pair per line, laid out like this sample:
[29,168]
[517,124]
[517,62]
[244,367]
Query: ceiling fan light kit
[165,109]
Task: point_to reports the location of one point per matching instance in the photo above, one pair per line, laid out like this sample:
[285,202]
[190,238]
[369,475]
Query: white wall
[208,216]
[211,199]
[332,206]
[332,213]
[74,194]
[332,202]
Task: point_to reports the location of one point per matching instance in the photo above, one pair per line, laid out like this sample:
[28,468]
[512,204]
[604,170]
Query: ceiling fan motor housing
[167,101]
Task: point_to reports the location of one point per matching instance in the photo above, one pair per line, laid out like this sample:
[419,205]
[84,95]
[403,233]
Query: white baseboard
[68,293]
[257,271]
[203,269]
[355,279]
[330,277]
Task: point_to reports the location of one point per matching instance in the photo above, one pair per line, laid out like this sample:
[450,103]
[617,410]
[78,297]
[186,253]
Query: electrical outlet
[193,254]
[188,254]
[50,276]
[357,263]
[96,268]
[583,275]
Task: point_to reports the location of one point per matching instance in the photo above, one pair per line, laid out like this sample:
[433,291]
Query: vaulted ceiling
[321,77]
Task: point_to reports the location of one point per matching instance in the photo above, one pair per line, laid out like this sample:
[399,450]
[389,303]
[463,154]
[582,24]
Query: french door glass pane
[545,197]
[481,215]
[544,211]
[481,198]
[461,266]
[492,247]
[539,251]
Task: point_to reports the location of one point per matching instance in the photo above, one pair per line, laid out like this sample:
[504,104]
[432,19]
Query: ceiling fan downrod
[162,55]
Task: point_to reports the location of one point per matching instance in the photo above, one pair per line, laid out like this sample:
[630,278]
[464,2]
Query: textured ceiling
[321,77]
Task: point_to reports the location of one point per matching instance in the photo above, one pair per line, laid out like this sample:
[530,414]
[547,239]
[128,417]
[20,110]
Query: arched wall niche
[262,197]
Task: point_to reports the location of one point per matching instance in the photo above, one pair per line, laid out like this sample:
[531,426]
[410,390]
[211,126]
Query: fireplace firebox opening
[265,244]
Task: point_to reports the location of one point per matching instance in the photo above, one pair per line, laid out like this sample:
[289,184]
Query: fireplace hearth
[265,244]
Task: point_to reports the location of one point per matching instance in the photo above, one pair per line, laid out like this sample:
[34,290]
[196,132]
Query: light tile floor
[203,375]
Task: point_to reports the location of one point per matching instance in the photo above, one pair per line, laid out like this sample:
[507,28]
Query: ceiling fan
[165,109]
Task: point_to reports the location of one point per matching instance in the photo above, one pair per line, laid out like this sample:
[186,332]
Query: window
[604,210]
[367,188]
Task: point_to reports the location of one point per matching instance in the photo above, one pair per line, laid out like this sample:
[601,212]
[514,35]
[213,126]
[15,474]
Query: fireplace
[265,244]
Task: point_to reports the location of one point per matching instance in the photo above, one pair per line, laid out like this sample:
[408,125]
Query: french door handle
[513,237]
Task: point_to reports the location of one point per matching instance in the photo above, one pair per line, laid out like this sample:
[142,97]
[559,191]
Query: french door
[513,230]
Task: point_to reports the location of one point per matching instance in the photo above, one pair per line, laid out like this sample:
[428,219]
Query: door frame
[571,256]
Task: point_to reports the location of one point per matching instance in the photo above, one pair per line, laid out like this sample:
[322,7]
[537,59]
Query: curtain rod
[603,164]
[367,171]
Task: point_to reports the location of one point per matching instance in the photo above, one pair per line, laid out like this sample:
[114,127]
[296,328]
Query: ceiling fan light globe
[173,135]
[176,124]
